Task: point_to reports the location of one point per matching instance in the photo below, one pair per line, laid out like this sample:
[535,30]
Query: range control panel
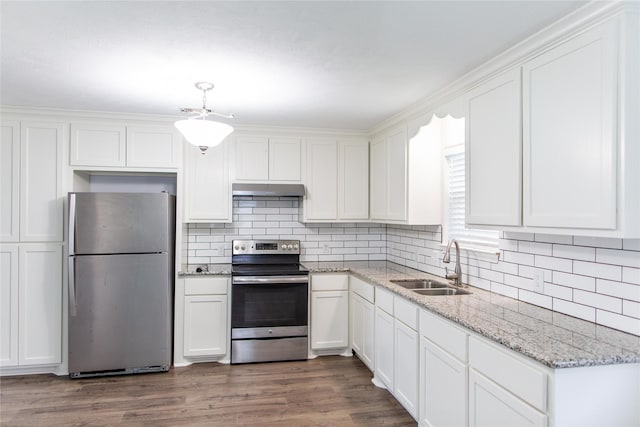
[265,247]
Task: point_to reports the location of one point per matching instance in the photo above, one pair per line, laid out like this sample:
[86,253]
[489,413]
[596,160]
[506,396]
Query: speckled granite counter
[553,339]
[205,270]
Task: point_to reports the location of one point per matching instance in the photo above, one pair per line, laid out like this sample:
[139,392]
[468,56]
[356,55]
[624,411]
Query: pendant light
[198,130]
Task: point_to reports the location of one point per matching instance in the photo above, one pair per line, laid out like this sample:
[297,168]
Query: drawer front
[406,312]
[384,300]
[362,288]
[509,371]
[444,334]
[330,282]
[206,286]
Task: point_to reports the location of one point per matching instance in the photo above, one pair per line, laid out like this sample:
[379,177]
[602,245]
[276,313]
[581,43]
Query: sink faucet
[457,275]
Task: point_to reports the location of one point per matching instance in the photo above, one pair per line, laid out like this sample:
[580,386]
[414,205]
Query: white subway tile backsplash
[618,289]
[603,302]
[617,321]
[576,310]
[595,279]
[574,281]
[619,257]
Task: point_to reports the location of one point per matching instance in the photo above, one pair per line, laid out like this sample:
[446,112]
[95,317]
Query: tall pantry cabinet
[31,239]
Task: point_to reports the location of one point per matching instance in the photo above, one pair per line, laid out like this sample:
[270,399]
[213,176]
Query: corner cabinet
[337,180]
[405,175]
[574,169]
[261,158]
[207,191]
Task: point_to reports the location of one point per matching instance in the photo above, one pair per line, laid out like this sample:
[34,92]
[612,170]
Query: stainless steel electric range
[269,308]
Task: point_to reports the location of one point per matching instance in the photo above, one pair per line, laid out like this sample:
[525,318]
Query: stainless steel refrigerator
[121,277]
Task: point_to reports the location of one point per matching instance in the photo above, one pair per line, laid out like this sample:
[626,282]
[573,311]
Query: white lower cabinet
[362,320]
[492,406]
[31,304]
[205,317]
[329,311]
[384,349]
[405,387]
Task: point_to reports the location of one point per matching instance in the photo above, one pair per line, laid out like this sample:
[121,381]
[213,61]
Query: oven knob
[242,247]
[296,247]
[236,247]
[283,247]
[289,246]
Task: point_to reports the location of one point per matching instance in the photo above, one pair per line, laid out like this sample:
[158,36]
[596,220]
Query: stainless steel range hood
[269,190]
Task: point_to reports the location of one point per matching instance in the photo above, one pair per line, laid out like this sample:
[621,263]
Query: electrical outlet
[326,248]
[538,281]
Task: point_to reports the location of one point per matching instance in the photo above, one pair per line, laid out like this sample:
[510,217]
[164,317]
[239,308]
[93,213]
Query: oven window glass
[255,306]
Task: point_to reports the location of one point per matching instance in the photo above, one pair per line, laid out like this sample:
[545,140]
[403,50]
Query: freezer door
[124,309]
[112,223]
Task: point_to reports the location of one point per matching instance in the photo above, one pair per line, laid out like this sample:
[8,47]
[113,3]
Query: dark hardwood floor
[327,391]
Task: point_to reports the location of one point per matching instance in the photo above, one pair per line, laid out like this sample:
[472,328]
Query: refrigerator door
[123,315]
[115,223]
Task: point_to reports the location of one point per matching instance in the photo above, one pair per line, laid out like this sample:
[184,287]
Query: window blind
[471,238]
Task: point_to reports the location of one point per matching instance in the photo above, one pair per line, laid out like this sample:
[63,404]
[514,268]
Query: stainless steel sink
[442,291]
[420,284]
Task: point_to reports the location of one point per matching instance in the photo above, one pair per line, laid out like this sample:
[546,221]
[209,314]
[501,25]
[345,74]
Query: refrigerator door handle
[72,287]
[72,224]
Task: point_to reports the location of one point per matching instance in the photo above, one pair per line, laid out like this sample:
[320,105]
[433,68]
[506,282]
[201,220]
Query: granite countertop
[553,339]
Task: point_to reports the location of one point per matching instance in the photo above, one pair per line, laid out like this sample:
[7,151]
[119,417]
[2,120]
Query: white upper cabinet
[119,145]
[570,138]
[261,158]
[153,146]
[575,170]
[336,180]
[493,152]
[207,192]
[405,174]
[10,181]
[39,174]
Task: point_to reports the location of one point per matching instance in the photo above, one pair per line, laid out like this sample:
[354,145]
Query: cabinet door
[152,146]
[397,175]
[284,159]
[8,305]
[40,304]
[320,201]
[406,367]
[205,325]
[362,324]
[94,144]
[10,181]
[443,387]
[353,179]
[569,137]
[378,179]
[384,348]
[41,193]
[252,158]
[329,319]
[207,190]
[492,406]
[493,152]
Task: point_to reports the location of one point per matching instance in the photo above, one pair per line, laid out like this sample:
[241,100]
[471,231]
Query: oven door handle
[270,280]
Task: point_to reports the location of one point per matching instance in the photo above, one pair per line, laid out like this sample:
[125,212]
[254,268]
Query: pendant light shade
[198,130]
[203,133]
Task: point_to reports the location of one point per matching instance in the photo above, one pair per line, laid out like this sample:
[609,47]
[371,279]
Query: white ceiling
[346,65]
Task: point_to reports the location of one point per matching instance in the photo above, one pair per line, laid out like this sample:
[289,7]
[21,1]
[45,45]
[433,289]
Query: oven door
[269,301]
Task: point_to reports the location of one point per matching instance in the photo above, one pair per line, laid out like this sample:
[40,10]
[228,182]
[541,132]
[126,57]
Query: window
[454,228]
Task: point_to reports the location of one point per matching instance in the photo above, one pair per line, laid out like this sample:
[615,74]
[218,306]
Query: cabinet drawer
[444,334]
[510,371]
[362,288]
[384,300]
[206,286]
[330,282]
[406,312]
